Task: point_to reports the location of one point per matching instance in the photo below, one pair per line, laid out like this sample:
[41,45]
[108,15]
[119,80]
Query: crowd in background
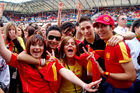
[51,58]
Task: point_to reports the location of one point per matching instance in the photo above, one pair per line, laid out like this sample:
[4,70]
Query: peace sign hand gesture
[51,56]
[88,52]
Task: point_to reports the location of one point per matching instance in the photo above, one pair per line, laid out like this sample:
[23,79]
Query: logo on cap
[106,19]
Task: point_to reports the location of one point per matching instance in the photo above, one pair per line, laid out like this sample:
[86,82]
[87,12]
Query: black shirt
[98,44]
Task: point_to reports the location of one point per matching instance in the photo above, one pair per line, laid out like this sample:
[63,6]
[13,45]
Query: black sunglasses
[51,37]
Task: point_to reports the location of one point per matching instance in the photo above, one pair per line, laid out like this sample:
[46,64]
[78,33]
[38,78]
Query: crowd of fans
[132,12]
[71,58]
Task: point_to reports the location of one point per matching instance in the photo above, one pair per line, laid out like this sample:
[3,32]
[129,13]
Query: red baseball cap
[104,19]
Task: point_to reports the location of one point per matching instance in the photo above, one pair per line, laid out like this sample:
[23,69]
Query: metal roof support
[113,2]
[129,2]
[88,4]
[68,3]
[106,2]
[94,3]
[54,4]
[81,3]
[47,4]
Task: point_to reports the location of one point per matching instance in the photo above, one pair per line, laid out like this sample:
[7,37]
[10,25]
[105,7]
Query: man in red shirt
[120,72]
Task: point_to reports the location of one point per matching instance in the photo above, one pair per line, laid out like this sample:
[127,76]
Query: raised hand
[51,56]
[61,5]
[12,35]
[93,86]
[79,6]
[1,9]
[114,40]
[88,52]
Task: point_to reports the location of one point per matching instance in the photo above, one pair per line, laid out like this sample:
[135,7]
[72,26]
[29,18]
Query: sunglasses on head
[51,37]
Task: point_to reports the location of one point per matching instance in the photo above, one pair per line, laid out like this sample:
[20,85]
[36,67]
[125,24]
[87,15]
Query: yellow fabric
[89,68]
[67,86]
[124,53]
[54,72]
[21,42]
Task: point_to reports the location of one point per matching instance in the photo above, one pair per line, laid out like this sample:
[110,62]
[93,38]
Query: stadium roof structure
[35,6]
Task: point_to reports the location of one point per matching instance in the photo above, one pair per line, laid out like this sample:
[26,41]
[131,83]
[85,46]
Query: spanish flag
[49,71]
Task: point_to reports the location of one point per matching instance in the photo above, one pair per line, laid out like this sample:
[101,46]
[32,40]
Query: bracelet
[106,74]
[84,91]
[42,62]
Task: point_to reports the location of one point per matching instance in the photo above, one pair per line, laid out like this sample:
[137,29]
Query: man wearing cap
[96,44]
[120,72]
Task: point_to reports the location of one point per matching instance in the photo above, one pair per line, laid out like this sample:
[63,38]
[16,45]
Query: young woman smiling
[35,79]
[69,56]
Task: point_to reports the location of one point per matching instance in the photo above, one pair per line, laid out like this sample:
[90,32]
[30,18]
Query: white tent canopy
[34,6]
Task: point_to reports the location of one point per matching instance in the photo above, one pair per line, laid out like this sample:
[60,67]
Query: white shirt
[121,30]
[4,72]
[134,46]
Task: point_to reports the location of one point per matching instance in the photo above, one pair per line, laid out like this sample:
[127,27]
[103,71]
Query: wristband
[84,91]
[42,62]
[106,74]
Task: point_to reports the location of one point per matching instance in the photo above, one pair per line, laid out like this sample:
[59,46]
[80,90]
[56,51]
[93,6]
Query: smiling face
[37,49]
[87,29]
[104,31]
[36,46]
[70,48]
[11,29]
[19,32]
[53,39]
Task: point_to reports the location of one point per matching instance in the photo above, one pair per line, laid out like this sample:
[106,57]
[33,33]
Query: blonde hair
[8,25]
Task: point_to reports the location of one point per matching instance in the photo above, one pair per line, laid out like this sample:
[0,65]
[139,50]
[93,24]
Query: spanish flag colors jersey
[67,86]
[114,57]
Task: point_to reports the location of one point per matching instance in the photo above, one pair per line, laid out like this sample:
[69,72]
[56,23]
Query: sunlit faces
[70,48]
[104,31]
[87,29]
[53,39]
[37,49]
[12,29]
[137,30]
[122,21]
[19,32]
[43,30]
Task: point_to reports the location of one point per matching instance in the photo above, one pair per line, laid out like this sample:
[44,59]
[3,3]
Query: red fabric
[95,71]
[104,19]
[11,44]
[113,55]
[32,81]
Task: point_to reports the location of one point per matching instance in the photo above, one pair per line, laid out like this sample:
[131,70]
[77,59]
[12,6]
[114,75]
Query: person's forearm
[59,18]
[23,56]
[69,75]
[122,76]
[129,35]
[78,15]
[4,52]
